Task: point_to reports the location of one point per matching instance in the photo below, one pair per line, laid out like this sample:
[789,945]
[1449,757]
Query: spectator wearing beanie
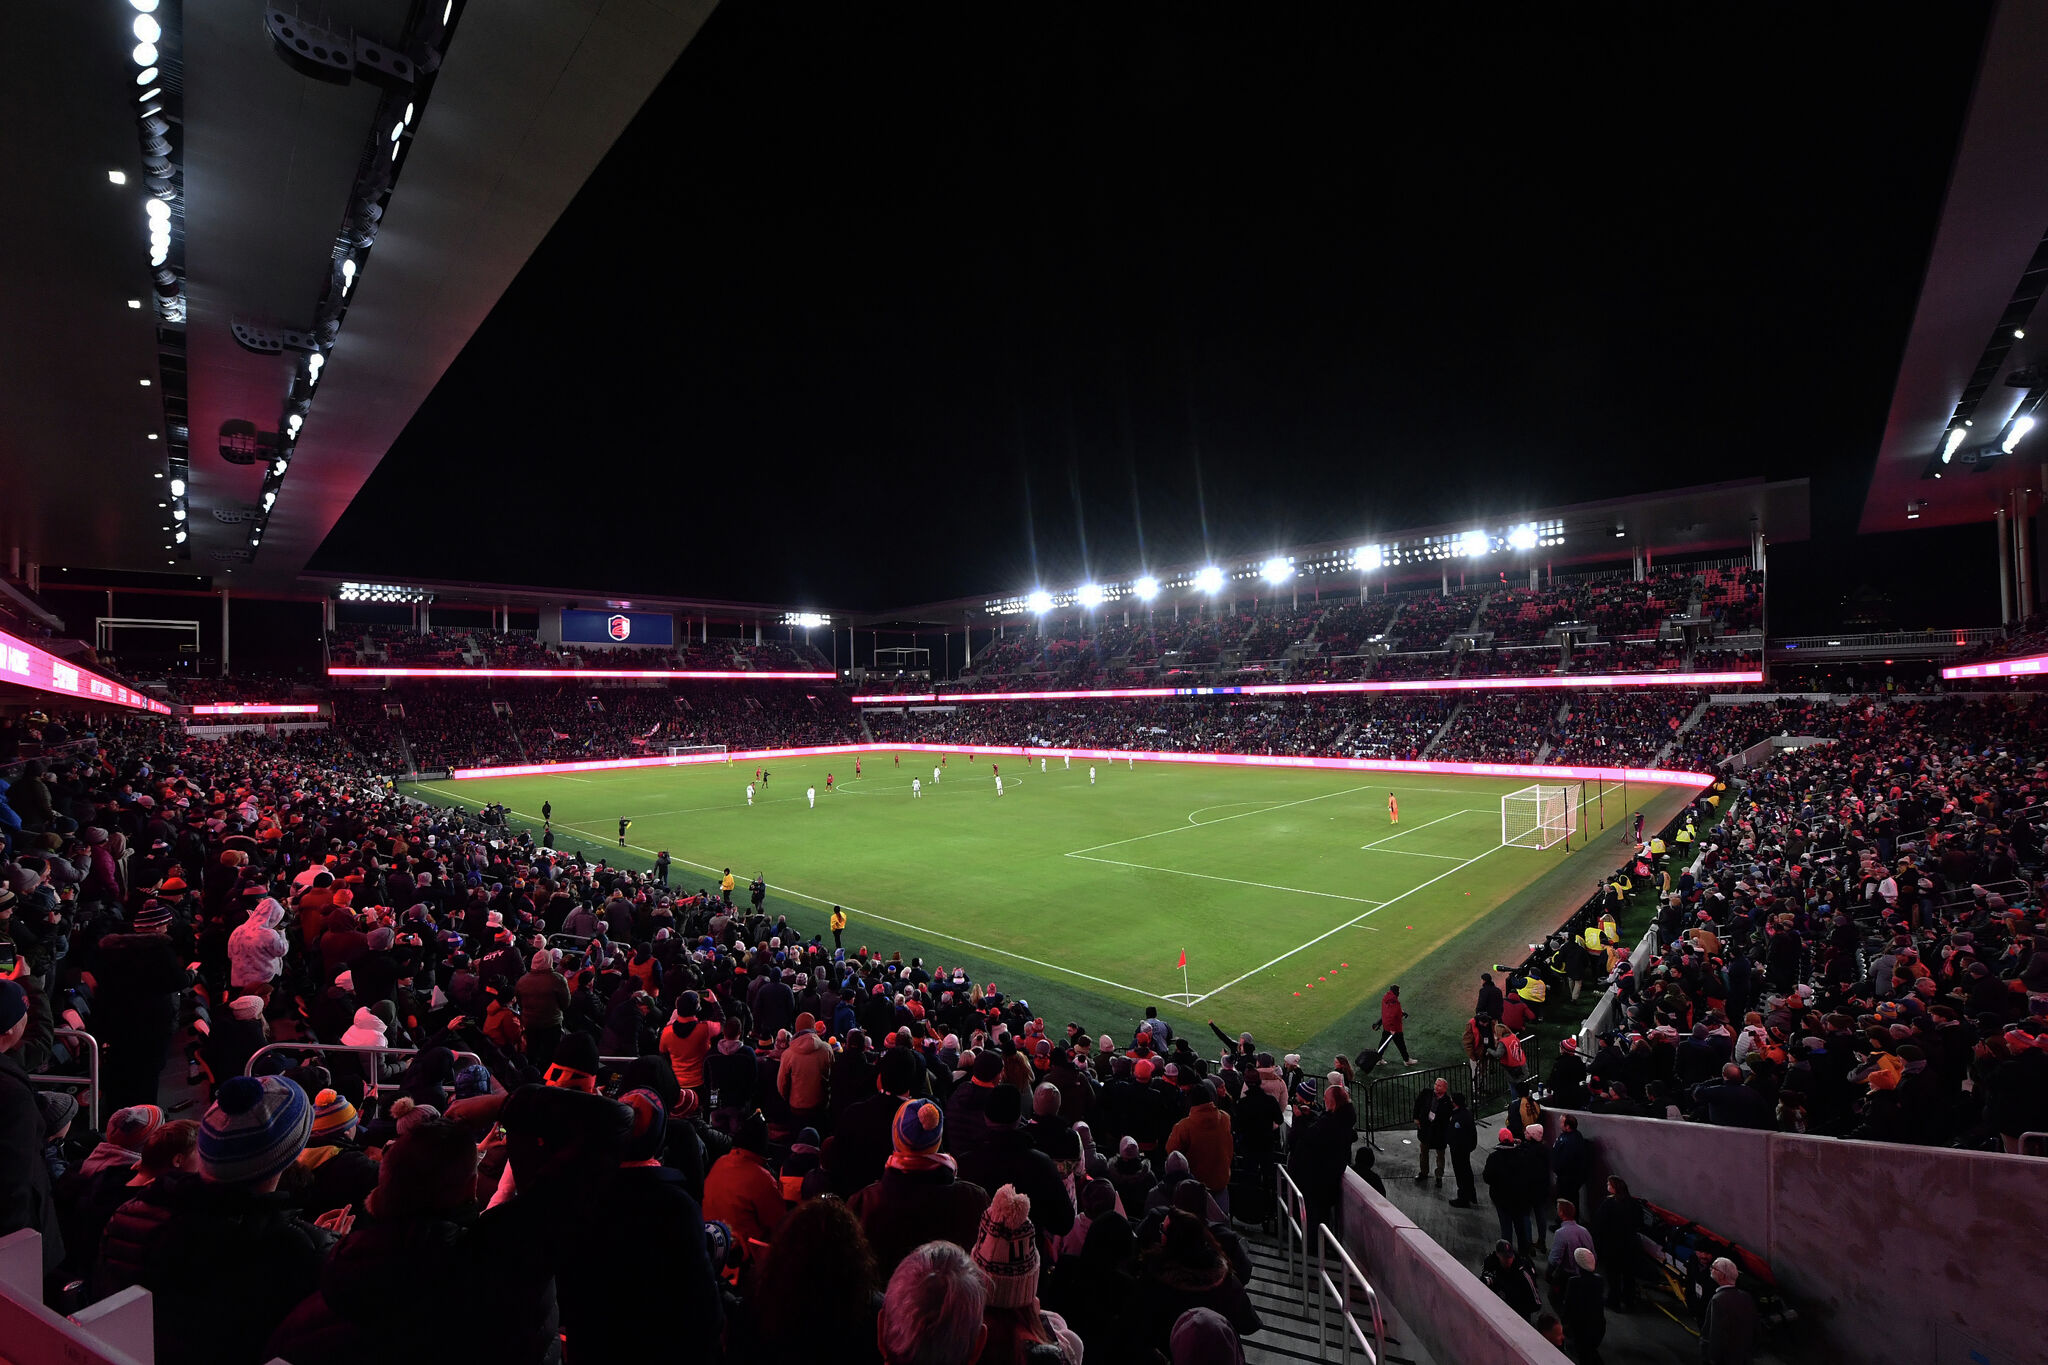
[236,1035]
[741,1192]
[1007,1157]
[1204,1136]
[543,1000]
[920,1196]
[1006,1250]
[127,1130]
[226,1256]
[643,1244]
[333,1172]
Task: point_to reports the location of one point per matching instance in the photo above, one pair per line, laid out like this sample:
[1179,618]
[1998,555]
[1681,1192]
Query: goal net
[1539,816]
[696,750]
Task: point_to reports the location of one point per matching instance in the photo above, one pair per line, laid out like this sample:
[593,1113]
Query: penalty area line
[1234,881]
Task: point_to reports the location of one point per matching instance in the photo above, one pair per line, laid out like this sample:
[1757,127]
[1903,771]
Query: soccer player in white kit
[999,786]
[750,793]
[935,777]
[812,792]
[917,787]
[1091,774]
[1041,765]
[1068,759]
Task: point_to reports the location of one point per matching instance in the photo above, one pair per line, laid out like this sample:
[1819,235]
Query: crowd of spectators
[1857,947]
[638,1121]
[1619,728]
[457,647]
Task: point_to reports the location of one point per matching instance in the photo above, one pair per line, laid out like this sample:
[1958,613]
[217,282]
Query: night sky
[875,305]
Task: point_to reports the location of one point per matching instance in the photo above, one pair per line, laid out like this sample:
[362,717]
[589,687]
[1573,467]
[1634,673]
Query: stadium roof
[530,96]
[1978,321]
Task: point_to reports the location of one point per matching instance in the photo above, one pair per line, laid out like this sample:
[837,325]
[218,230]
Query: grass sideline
[1295,899]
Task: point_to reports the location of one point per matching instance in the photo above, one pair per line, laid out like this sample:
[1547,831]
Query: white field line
[1235,881]
[1403,833]
[1341,927]
[879,919]
[1177,829]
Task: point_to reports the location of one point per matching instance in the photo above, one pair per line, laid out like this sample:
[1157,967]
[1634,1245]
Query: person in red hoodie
[741,1192]
[1394,1022]
[685,1042]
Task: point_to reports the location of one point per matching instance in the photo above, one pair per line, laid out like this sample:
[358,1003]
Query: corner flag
[1183,958]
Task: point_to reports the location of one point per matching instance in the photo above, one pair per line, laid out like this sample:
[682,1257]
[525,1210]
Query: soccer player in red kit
[828,782]
[856,767]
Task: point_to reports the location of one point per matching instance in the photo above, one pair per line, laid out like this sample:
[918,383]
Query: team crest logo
[619,626]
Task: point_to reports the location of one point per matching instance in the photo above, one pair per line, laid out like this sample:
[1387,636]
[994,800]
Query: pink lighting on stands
[256,708]
[1406,685]
[1664,776]
[359,672]
[22,664]
[2002,668]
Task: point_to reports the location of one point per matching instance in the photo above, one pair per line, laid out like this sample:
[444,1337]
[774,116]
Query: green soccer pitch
[1296,900]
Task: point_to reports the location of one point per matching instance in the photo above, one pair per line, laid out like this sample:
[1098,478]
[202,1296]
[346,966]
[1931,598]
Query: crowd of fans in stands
[404,646]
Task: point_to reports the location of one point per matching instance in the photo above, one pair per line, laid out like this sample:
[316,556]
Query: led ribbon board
[1277,689]
[22,664]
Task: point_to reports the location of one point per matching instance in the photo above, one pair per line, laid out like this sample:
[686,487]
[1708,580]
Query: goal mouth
[1541,816]
[688,751]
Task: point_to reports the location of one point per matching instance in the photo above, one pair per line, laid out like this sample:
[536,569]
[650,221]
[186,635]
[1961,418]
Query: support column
[2022,556]
[224,632]
[2004,569]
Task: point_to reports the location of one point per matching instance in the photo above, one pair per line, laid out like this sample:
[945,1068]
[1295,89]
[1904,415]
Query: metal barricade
[380,1053]
[1294,1233]
[90,1080]
[1349,1326]
[1388,1103]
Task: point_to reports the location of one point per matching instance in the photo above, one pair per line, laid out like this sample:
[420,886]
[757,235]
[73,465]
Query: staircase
[1289,1334]
[1442,730]
[867,736]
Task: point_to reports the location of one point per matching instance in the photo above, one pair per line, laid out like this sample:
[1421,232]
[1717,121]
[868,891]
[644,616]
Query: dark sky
[875,305]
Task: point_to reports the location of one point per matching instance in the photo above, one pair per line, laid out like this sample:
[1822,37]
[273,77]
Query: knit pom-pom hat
[256,1127]
[1007,1250]
[919,1127]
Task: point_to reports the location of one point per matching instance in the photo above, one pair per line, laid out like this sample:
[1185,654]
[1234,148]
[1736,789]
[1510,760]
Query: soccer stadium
[1022,688]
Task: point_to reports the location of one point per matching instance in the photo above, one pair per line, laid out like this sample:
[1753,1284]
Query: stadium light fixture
[177,488]
[135,303]
[1146,588]
[1954,443]
[1276,569]
[1472,544]
[1523,537]
[2014,436]
[1089,594]
[2019,334]
[1369,557]
[1209,579]
[117,177]
[147,76]
[144,6]
[1039,601]
[147,30]
[177,514]
[806,619]
[145,57]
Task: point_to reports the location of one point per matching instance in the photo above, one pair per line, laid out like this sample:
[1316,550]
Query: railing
[1792,648]
[1601,1017]
[1348,1324]
[91,1079]
[1389,1102]
[380,1053]
[2034,1144]
[1294,1233]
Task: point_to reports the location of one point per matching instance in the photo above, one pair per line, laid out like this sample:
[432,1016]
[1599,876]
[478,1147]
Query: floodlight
[135,303]
[180,537]
[147,30]
[1369,557]
[1039,601]
[144,6]
[1089,594]
[146,76]
[1209,579]
[1523,537]
[1146,588]
[117,177]
[1472,544]
[177,514]
[177,488]
[157,210]
[269,499]
[1276,569]
[2019,334]
[1954,442]
[145,56]
[278,468]
[348,274]
[2012,437]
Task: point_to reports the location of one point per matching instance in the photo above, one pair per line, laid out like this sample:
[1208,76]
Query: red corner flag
[1183,958]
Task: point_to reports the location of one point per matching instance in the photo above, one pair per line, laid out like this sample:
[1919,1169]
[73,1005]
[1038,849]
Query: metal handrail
[1373,1349]
[1293,1228]
[2040,1146]
[378,1052]
[91,1078]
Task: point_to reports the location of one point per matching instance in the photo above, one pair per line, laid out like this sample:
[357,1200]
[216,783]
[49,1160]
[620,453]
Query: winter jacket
[225,1265]
[25,1196]
[543,996]
[1204,1135]
[805,1076]
[905,1209]
[1170,1286]
[741,1192]
[257,948]
[643,1244]
[731,1069]
[1008,1158]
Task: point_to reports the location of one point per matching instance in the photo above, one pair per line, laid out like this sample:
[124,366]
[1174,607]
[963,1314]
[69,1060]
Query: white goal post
[697,750]
[1540,816]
